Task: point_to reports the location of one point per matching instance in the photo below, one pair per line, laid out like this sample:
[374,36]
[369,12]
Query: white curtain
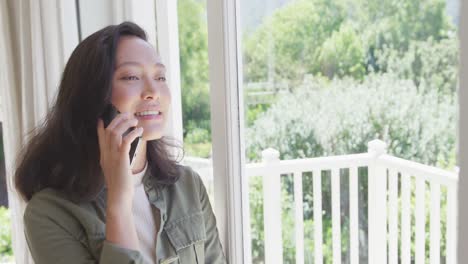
[36,38]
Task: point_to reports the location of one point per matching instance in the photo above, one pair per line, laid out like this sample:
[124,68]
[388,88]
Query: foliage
[319,36]
[339,38]
[395,23]
[342,116]
[193,41]
[6,250]
[443,219]
[343,54]
[431,65]
[287,45]
[288,225]
[256,219]
[356,70]
[254,111]
[198,143]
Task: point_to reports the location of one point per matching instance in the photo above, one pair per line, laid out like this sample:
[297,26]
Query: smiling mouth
[148,113]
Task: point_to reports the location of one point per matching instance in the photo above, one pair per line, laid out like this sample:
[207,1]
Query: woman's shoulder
[188,183]
[50,205]
[46,198]
[50,219]
[188,177]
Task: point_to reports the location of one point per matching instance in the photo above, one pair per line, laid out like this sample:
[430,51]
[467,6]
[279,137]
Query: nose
[151,89]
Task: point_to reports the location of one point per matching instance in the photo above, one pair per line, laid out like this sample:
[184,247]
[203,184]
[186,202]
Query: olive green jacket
[60,231]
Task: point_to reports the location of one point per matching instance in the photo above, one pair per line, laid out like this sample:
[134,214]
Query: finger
[117,120]
[101,134]
[128,139]
[117,133]
[110,139]
[126,125]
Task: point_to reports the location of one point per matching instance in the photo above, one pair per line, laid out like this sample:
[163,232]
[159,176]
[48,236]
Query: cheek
[122,96]
[166,95]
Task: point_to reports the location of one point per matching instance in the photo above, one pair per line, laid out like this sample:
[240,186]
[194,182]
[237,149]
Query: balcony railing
[389,209]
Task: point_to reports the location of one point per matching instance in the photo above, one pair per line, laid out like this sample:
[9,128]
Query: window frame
[462,229]
[225,71]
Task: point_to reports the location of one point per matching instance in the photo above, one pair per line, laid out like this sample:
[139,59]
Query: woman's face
[139,85]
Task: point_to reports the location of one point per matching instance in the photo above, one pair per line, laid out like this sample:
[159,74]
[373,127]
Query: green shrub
[198,143]
[6,249]
[340,117]
[431,65]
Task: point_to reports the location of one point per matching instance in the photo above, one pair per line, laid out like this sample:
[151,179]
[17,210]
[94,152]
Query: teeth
[147,113]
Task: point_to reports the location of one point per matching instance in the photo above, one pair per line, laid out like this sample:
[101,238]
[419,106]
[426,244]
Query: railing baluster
[272,209]
[299,217]
[435,223]
[405,219]
[318,239]
[420,220]
[377,203]
[393,217]
[336,216]
[451,224]
[354,214]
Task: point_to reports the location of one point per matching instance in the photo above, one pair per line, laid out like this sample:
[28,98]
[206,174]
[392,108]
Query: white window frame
[462,138]
[231,194]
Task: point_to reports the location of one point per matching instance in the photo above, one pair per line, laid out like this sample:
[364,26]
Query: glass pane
[193,44]
[323,78]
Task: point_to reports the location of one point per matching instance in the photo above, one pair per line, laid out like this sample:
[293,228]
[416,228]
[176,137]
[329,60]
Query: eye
[130,78]
[162,78]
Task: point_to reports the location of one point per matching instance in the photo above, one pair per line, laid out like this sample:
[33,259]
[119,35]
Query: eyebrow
[134,63]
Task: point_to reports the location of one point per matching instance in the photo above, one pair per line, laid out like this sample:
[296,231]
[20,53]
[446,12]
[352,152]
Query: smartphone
[107,116]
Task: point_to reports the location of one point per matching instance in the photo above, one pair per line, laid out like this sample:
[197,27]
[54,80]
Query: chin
[152,136]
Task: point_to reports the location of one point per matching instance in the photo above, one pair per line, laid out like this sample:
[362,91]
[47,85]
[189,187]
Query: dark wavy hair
[63,152]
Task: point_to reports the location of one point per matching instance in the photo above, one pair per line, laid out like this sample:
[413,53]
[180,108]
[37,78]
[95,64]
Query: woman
[86,202]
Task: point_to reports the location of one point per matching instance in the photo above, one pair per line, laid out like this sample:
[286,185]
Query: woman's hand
[114,160]
[115,164]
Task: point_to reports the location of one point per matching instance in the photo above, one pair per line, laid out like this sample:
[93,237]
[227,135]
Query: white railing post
[377,204]
[272,209]
[299,217]
[452,224]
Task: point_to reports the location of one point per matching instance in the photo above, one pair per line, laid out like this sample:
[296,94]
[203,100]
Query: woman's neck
[140,158]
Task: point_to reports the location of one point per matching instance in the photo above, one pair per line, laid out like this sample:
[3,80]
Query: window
[333,131]
[194,77]
[348,110]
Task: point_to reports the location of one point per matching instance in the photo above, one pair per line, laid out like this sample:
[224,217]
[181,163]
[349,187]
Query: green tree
[287,45]
[395,23]
[193,43]
[431,65]
[319,36]
[343,54]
